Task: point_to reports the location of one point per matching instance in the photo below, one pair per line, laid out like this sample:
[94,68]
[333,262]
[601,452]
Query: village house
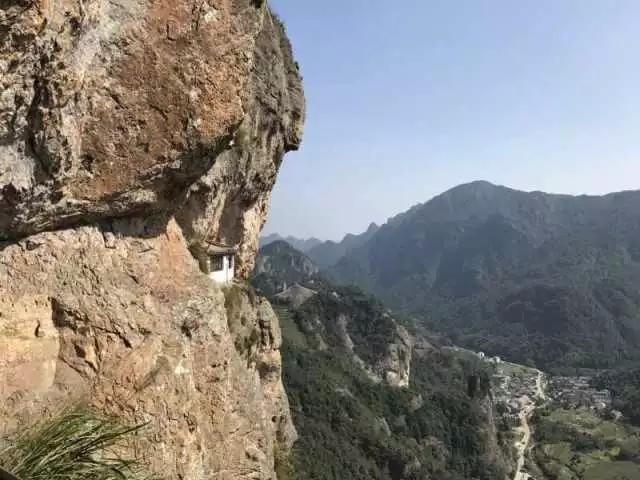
[217,261]
[578,392]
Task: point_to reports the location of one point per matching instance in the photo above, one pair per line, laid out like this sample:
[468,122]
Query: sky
[409,98]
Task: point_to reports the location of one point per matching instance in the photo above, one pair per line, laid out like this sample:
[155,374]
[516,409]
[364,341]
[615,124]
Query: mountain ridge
[472,259]
[302,244]
[329,252]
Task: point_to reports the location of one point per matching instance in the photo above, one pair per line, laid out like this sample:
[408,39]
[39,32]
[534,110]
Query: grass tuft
[77,444]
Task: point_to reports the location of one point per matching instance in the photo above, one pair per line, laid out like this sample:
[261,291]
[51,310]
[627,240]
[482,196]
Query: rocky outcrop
[335,317]
[130,131]
[296,295]
[395,365]
[388,360]
[351,323]
[229,204]
[113,109]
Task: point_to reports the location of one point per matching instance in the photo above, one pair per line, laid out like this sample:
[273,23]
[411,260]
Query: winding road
[524,415]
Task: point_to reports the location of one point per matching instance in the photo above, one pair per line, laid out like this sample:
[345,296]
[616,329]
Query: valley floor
[525,415]
[555,438]
[520,389]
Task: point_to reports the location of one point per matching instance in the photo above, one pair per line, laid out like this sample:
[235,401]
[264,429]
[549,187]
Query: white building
[217,261]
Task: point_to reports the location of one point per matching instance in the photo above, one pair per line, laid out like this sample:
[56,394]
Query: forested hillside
[544,279]
[624,384]
[370,400]
[279,265]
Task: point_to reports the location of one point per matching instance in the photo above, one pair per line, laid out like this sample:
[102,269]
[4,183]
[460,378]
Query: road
[539,388]
[525,428]
[524,443]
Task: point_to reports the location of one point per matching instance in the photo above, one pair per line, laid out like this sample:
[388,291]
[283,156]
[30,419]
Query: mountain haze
[546,279]
[328,253]
[302,244]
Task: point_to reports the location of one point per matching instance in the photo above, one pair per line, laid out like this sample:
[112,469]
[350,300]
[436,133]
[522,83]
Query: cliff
[334,318]
[131,131]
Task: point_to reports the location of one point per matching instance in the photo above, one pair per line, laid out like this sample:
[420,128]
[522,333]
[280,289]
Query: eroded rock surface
[116,108]
[121,316]
[389,360]
[130,131]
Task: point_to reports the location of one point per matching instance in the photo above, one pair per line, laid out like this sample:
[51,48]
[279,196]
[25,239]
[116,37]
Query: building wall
[226,274]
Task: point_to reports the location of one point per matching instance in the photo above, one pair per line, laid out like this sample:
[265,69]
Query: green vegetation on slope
[576,444]
[370,328]
[352,427]
[541,279]
[624,384]
[354,422]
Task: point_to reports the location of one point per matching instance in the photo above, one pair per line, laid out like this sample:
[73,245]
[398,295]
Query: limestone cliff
[347,320]
[335,317]
[129,131]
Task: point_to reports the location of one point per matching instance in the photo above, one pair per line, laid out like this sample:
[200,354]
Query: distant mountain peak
[302,244]
[477,187]
[279,266]
[372,227]
[505,265]
[477,184]
[328,253]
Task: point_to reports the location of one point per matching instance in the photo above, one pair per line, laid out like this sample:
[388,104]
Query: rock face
[296,295]
[384,357]
[130,131]
[117,108]
[125,319]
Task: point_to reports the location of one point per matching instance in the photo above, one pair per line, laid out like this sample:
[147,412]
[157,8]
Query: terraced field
[579,444]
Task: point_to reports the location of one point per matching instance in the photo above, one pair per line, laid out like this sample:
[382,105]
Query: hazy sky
[408,98]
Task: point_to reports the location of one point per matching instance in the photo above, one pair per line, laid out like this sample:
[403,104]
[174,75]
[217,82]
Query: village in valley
[562,426]
[525,396]
[516,385]
[576,392]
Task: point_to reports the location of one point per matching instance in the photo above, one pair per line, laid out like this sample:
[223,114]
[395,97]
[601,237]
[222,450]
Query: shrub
[77,444]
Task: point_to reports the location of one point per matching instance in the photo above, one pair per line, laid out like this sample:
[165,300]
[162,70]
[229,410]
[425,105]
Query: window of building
[217,263]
